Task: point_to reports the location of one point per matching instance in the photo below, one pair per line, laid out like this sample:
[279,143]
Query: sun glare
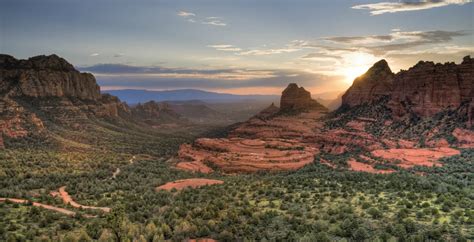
[357,64]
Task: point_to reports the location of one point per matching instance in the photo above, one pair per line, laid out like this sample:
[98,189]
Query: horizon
[234,47]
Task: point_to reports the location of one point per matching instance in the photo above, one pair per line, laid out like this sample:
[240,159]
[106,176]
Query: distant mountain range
[132,96]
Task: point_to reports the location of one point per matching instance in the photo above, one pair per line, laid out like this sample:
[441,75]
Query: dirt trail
[41,205]
[117,171]
[68,200]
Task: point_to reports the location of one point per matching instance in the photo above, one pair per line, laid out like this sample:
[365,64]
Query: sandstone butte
[270,141]
[287,139]
[185,183]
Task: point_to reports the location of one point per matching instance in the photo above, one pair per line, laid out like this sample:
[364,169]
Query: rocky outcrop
[268,112]
[423,90]
[49,88]
[295,98]
[44,77]
[429,88]
[155,113]
[371,86]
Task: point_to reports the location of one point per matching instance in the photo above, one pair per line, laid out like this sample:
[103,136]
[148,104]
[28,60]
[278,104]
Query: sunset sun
[357,64]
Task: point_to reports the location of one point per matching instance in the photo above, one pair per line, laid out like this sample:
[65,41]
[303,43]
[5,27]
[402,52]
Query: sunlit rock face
[429,88]
[371,86]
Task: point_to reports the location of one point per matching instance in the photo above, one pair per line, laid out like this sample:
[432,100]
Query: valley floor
[316,202]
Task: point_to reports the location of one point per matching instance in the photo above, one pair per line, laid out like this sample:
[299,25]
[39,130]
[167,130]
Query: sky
[237,46]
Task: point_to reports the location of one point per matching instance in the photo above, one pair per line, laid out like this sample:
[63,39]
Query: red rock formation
[51,86]
[45,76]
[429,88]
[423,90]
[296,98]
[371,86]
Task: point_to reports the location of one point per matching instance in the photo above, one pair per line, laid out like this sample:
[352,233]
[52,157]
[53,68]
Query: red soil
[408,158]
[465,137]
[327,163]
[68,200]
[245,155]
[193,183]
[357,125]
[358,166]
[41,205]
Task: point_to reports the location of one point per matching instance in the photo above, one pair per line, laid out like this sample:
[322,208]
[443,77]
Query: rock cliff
[371,86]
[45,76]
[423,90]
[429,88]
[49,88]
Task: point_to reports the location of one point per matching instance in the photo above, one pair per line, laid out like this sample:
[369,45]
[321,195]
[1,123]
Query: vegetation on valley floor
[314,203]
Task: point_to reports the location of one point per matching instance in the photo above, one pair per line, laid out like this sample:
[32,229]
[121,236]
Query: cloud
[408,40]
[321,56]
[225,48]
[185,14]
[214,21]
[255,51]
[360,39]
[157,77]
[94,54]
[402,6]
[117,55]
[395,41]
[259,52]
[193,18]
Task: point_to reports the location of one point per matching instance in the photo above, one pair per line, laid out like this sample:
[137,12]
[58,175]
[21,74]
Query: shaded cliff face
[45,76]
[49,89]
[428,88]
[295,98]
[423,90]
[374,84]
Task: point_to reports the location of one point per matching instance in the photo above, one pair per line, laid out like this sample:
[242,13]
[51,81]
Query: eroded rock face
[423,90]
[429,88]
[374,84]
[295,98]
[50,86]
[45,76]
